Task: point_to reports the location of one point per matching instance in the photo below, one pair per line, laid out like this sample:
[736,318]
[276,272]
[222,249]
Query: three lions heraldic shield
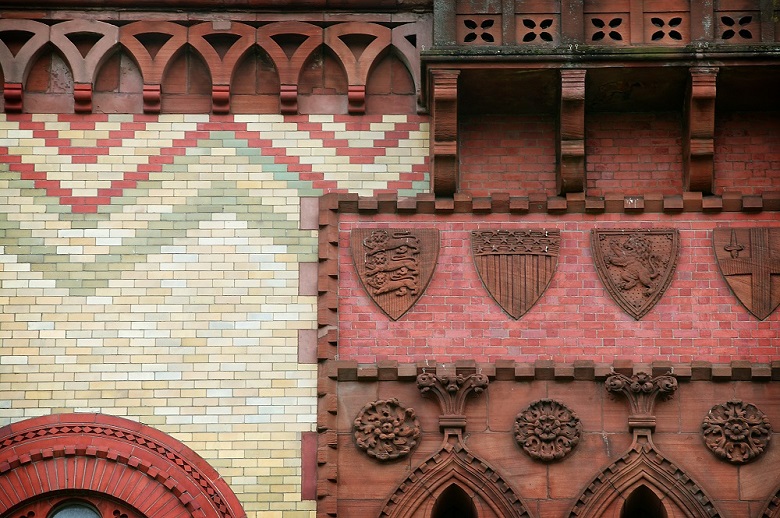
[749,260]
[394,265]
[635,266]
[516,266]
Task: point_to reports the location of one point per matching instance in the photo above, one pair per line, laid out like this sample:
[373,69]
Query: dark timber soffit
[270,5]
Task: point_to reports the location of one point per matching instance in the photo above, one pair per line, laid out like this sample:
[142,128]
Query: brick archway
[112,458]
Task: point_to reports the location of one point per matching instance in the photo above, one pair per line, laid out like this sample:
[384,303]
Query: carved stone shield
[636,266]
[394,265]
[749,260]
[516,266]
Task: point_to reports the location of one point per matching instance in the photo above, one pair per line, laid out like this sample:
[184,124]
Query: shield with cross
[749,260]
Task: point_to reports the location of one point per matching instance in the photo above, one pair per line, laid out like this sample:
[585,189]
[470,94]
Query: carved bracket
[356,99]
[444,132]
[451,392]
[288,99]
[82,97]
[699,143]
[571,129]
[152,98]
[220,99]
[641,391]
[12,96]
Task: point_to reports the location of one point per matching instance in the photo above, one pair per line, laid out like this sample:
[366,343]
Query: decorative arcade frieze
[222,41]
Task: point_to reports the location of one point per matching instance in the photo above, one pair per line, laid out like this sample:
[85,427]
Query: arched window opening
[454,503]
[643,503]
[74,509]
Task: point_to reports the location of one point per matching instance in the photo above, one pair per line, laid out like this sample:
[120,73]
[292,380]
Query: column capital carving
[642,390]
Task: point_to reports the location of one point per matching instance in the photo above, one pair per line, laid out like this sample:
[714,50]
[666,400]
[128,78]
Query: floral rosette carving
[547,430]
[736,431]
[385,430]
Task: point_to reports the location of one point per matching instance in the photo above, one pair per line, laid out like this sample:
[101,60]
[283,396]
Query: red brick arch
[113,458]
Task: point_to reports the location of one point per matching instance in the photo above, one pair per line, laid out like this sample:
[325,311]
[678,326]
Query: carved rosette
[636,266]
[547,430]
[736,431]
[385,430]
[395,265]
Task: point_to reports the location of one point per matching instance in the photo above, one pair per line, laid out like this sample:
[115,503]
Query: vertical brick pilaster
[699,143]
[444,134]
[702,21]
[572,21]
[571,133]
[309,466]
[767,20]
[443,22]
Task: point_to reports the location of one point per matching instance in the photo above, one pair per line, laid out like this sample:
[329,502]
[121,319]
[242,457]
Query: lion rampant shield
[635,266]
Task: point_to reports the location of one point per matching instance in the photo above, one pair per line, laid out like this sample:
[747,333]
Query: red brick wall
[633,153]
[747,152]
[698,318]
[503,153]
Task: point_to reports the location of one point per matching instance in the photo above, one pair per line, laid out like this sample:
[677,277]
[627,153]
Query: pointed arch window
[454,503]
[643,503]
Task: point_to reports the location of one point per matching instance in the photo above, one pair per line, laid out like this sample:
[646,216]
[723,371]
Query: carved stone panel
[749,260]
[395,265]
[516,266]
[736,431]
[385,430]
[636,266]
[547,430]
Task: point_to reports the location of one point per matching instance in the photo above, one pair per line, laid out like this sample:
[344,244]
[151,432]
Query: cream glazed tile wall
[149,269]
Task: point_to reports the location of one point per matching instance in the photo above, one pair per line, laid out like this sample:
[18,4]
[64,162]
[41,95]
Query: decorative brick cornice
[545,370]
[540,203]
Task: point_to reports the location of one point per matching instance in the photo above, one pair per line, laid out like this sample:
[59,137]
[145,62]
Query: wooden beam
[699,135]
[571,133]
[444,132]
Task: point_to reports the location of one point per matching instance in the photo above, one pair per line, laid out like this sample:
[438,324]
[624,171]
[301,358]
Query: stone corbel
[451,392]
[571,133]
[444,132]
[288,99]
[82,97]
[152,98]
[356,99]
[220,99]
[13,93]
[699,136]
[641,391]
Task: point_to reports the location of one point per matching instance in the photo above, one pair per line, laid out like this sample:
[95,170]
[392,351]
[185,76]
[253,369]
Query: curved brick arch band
[143,467]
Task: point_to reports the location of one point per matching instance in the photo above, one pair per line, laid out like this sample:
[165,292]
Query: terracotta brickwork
[697,318]
[507,154]
[155,268]
[633,153]
[551,489]
[746,156]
